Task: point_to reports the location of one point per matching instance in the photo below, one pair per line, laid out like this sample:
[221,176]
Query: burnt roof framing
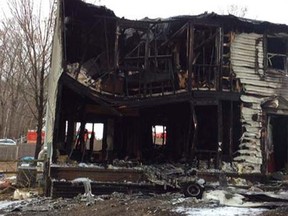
[85,14]
[78,15]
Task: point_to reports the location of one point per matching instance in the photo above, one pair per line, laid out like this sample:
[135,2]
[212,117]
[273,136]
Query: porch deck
[128,180]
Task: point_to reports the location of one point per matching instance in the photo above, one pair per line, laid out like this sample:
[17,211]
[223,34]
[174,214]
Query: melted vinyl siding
[259,90]
[244,61]
[251,99]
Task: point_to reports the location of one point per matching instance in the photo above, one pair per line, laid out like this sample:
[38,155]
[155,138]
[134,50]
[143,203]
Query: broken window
[159,134]
[277,53]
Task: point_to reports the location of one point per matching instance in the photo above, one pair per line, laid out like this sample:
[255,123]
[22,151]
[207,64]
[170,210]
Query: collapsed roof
[83,40]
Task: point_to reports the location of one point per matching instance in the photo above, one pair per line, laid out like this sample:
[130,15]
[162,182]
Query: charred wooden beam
[155,52]
[286,56]
[213,36]
[104,142]
[81,140]
[264,146]
[178,32]
[220,135]
[57,121]
[219,57]
[70,133]
[140,25]
[91,141]
[116,50]
[190,55]
[265,62]
[146,60]
[198,97]
[195,134]
[69,190]
[106,43]
[187,145]
[107,175]
[231,131]
[149,57]
[86,92]
[61,131]
[135,48]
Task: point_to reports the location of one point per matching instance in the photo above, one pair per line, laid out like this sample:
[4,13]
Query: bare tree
[34,58]
[236,10]
[11,81]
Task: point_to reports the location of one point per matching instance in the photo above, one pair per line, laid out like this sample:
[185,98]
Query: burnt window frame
[270,55]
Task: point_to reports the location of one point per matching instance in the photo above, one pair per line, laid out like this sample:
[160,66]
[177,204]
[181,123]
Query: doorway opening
[278,143]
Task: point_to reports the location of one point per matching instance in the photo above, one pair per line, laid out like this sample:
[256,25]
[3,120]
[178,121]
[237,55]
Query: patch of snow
[11,177]
[20,194]
[220,211]
[177,201]
[83,165]
[87,187]
[213,184]
[224,197]
[5,204]
[231,199]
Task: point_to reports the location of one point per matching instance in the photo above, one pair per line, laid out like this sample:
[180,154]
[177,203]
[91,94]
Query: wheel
[193,189]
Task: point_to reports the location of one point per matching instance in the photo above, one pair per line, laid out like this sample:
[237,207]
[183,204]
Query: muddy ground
[130,205]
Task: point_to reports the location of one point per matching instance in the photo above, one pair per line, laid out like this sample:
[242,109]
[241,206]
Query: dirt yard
[128,205]
[8,166]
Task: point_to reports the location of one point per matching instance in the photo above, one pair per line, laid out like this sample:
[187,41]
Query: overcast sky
[273,11]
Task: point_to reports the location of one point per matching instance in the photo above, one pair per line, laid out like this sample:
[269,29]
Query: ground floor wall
[203,132]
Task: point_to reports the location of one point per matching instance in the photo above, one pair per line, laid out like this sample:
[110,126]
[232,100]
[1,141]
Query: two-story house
[215,85]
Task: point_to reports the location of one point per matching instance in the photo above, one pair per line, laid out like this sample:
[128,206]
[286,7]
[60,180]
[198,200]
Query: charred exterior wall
[260,83]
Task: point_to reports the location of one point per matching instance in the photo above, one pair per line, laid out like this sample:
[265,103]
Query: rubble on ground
[228,194]
[225,202]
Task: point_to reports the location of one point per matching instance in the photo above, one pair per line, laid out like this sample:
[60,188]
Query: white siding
[55,73]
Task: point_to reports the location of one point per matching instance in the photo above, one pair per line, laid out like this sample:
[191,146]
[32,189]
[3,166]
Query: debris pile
[88,196]
[170,175]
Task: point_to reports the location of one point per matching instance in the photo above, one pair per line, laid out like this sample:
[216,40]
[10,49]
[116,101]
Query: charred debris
[215,86]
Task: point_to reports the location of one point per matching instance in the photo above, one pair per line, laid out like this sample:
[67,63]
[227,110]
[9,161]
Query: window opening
[159,134]
[276,53]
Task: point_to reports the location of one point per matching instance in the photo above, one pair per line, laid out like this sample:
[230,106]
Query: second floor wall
[179,54]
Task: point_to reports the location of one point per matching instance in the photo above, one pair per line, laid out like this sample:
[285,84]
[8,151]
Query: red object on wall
[32,136]
[160,135]
[271,163]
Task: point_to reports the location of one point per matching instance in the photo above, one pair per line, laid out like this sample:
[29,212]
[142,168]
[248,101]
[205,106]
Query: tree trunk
[39,135]
[40,109]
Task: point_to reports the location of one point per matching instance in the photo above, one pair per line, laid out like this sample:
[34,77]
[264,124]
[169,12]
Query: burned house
[215,84]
